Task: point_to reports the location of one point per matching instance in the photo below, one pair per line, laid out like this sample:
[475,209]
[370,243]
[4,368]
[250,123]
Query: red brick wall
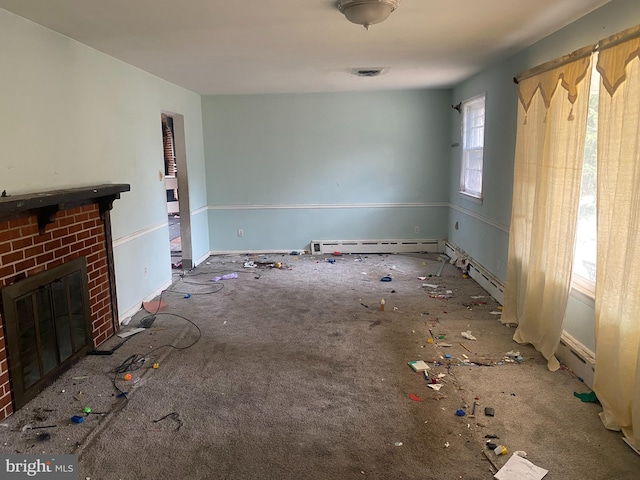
[77,232]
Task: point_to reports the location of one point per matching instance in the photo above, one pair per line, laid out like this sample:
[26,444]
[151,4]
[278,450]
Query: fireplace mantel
[45,205]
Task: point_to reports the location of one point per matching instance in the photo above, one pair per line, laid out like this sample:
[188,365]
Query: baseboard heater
[319,247]
[577,357]
[480,274]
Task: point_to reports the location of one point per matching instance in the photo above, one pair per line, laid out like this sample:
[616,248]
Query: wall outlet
[416,230]
[240,232]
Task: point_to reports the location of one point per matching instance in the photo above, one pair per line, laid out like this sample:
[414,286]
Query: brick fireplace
[43,231]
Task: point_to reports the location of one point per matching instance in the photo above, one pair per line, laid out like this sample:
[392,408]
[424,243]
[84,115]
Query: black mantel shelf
[46,204]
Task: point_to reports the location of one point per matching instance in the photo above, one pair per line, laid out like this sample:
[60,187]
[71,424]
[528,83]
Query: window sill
[471,198]
[584,291]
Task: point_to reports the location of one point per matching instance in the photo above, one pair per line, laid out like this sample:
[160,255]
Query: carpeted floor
[295,373]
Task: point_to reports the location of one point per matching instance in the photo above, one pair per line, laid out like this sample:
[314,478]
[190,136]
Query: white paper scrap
[429,285]
[435,386]
[495,312]
[133,331]
[518,468]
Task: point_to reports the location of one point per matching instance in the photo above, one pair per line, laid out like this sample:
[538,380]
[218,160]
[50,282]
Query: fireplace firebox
[48,326]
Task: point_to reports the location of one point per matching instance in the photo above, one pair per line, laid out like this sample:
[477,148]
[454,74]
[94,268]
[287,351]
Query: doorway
[177,190]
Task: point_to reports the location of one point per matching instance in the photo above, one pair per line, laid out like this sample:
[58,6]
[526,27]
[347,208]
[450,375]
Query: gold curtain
[552,117]
[617,374]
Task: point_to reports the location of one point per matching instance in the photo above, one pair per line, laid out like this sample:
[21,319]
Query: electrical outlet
[240,232]
[416,230]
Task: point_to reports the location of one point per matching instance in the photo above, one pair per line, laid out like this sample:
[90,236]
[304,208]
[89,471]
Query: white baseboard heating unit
[476,271]
[319,247]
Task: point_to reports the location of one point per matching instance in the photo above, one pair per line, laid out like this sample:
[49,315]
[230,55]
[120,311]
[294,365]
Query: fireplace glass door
[48,324]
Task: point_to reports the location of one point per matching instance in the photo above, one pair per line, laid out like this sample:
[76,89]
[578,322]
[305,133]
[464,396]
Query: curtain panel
[552,118]
[617,302]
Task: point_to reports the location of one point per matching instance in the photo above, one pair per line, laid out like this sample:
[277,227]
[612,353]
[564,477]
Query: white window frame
[469,106]
[579,283]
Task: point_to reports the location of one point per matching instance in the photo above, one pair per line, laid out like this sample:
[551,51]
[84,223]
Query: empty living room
[387,239]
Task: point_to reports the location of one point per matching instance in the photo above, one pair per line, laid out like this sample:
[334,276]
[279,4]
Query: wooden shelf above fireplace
[46,204]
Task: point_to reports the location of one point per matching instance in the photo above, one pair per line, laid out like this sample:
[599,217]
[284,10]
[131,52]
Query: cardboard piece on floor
[518,468]
[133,331]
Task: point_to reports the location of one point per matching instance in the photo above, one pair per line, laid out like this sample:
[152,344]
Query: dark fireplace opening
[48,326]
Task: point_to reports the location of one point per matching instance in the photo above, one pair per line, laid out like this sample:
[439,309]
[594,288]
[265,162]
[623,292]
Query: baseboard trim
[133,310]
[201,259]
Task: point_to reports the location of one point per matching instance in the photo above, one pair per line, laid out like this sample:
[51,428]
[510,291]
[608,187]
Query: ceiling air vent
[368,72]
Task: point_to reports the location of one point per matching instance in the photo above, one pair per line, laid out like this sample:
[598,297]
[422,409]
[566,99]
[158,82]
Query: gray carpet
[294,378]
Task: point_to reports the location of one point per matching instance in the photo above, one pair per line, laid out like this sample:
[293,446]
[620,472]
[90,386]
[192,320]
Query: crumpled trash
[441,293]
[512,356]
[468,335]
[386,278]
[228,276]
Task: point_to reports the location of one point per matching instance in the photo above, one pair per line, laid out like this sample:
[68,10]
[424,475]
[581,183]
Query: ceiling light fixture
[367,12]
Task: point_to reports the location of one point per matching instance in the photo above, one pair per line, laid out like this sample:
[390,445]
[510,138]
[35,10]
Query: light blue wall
[288,169]
[283,228]
[483,228]
[71,116]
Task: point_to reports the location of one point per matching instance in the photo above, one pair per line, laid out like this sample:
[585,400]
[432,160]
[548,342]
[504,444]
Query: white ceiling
[276,46]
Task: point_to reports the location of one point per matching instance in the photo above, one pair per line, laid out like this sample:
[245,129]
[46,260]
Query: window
[472,146]
[584,259]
